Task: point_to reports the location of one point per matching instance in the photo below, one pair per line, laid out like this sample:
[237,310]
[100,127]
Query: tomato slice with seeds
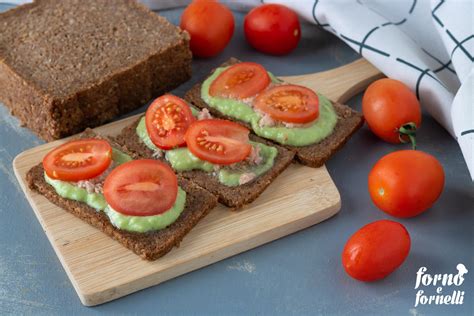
[218,141]
[167,119]
[78,160]
[141,188]
[289,103]
[240,81]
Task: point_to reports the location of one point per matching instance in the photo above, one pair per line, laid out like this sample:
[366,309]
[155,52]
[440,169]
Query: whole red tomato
[405,183]
[392,111]
[376,250]
[210,24]
[273,29]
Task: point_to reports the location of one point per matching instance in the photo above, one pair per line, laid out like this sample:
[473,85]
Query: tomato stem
[408,130]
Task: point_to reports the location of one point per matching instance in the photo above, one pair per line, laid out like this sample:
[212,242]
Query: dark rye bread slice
[149,246]
[68,65]
[233,197]
[349,121]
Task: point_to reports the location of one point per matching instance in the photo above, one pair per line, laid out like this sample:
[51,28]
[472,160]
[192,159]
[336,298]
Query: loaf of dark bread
[233,197]
[68,65]
[149,246]
[349,121]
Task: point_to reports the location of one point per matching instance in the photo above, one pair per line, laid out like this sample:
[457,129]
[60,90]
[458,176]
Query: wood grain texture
[342,83]
[299,197]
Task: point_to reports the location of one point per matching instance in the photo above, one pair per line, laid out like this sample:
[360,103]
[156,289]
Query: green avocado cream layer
[181,159]
[130,223]
[296,136]
[231,177]
[142,224]
[71,192]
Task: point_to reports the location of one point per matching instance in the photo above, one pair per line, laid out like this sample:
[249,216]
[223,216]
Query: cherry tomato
[289,103]
[78,160]
[218,141]
[405,183]
[376,250]
[240,81]
[141,188]
[210,24]
[392,111]
[272,29]
[167,119]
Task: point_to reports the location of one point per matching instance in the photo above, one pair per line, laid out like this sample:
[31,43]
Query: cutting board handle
[342,83]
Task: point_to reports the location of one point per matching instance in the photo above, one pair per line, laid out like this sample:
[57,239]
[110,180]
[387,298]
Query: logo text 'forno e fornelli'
[446,287]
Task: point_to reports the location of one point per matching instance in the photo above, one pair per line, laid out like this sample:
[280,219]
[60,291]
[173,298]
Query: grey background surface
[298,274]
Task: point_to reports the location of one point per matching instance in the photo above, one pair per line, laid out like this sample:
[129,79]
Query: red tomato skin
[174,139]
[260,80]
[141,204]
[101,160]
[210,25]
[232,153]
[289,116]
[376,250]
[387,105]
[405,183]
[272,29]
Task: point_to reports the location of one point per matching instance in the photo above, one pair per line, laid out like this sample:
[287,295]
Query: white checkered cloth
[429,45]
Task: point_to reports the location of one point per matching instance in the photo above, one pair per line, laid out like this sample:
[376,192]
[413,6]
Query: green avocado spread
[130,223]
[144,224]
[304,135]
[181,159]
[232,177]
[70,191]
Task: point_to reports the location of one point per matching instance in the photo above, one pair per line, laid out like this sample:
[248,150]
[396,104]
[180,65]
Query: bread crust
[57,93]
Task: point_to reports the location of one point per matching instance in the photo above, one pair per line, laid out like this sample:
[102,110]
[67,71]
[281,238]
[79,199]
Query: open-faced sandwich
[216,154]
[140,203]
[292,116]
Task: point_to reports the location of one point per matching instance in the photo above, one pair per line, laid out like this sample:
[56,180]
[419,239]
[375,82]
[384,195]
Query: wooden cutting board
[102,270]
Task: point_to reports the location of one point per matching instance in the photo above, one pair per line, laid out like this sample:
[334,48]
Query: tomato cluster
[270,28]
[403,184]
[170,124]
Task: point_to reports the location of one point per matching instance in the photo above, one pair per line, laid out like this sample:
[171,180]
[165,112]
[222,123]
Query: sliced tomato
[218,141]
[167,119]
[289,103]
[78,160]
[240,81]
[141,188]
